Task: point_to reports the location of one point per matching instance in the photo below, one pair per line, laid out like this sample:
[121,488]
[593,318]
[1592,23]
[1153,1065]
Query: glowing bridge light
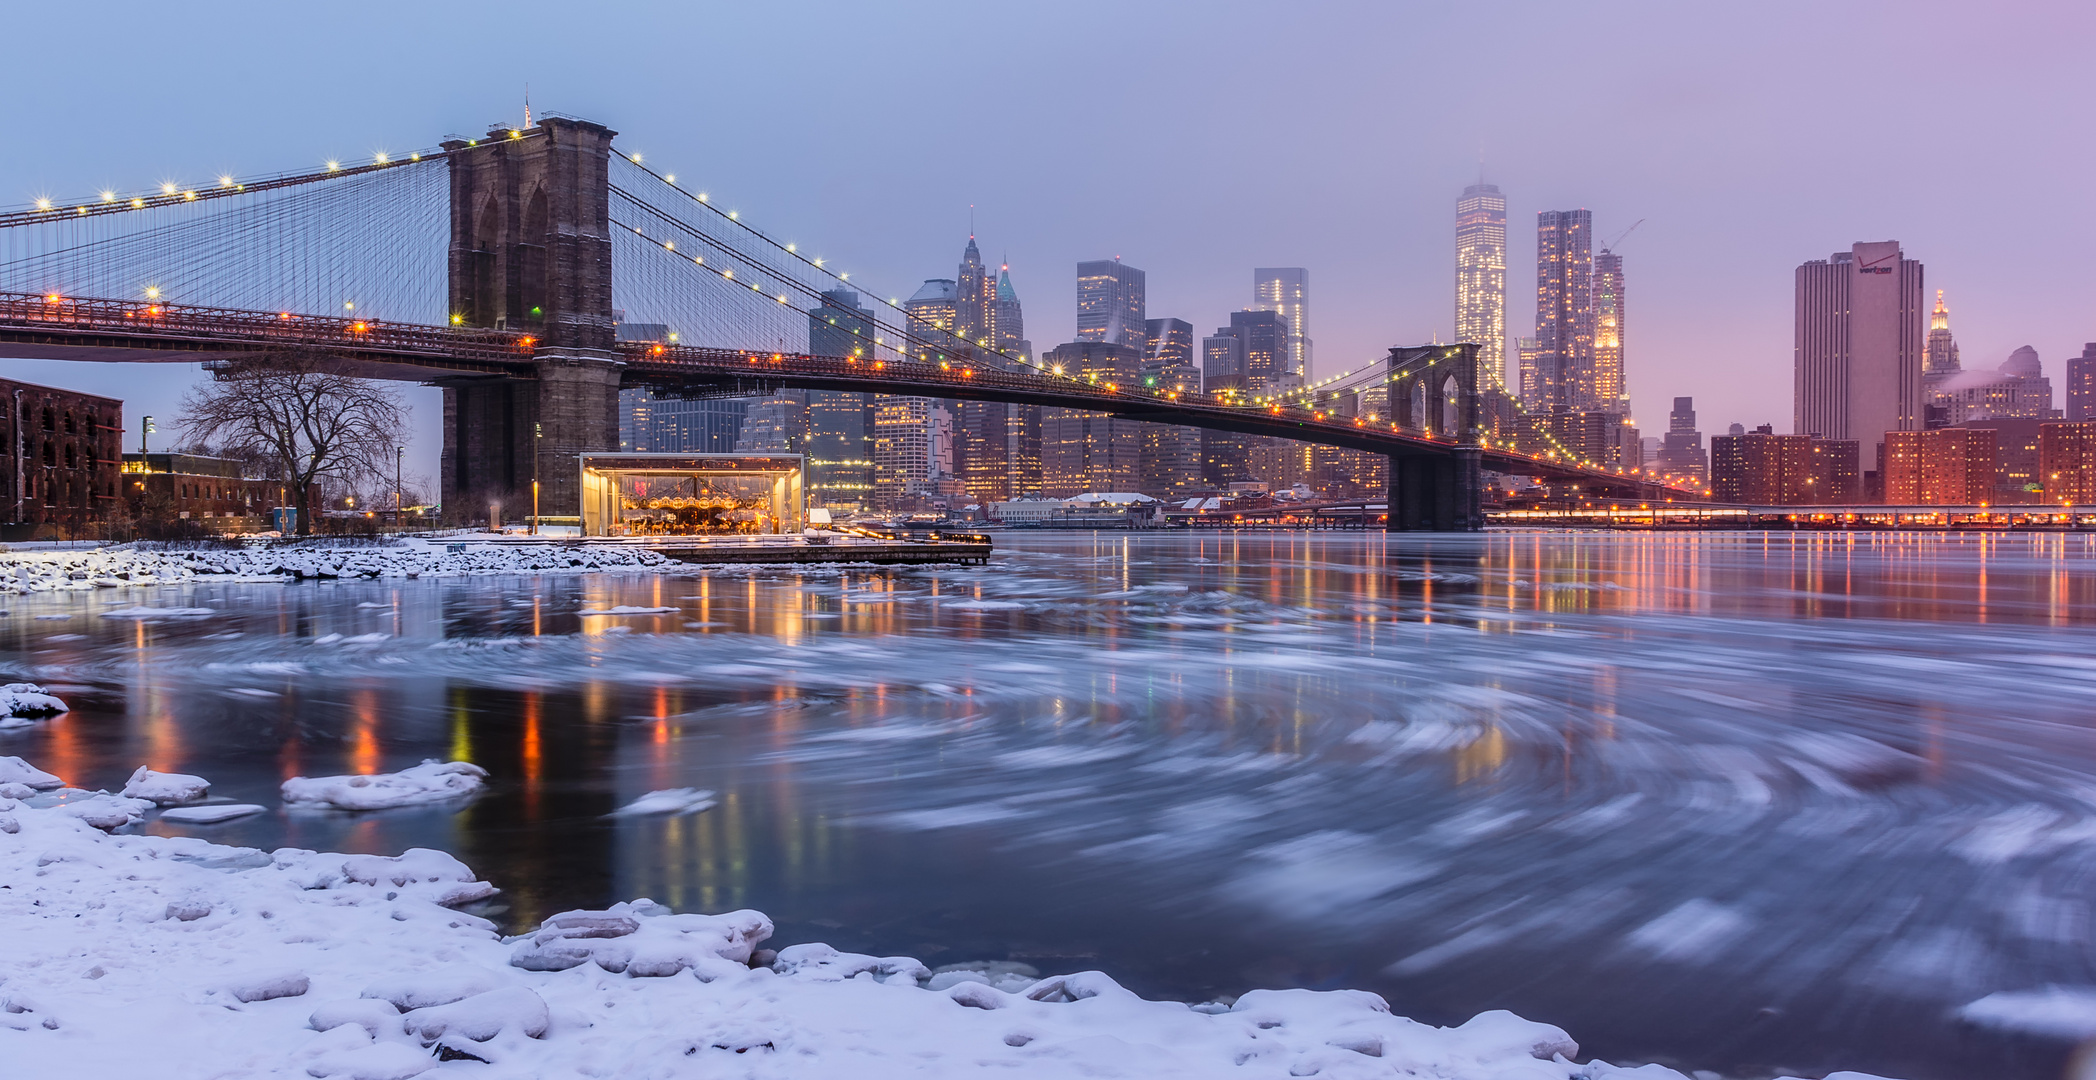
[189,195]
[414,157]
[380,158]
[844,277]
[349,305]
[670,179]
[818,263]
[225,181]
[109,196]
[729,274]
[789,249]
[458,320]
[137,204]
[152,292]
[167,189]
[636,159]
[669,245]
[702,196]
[731,215]
[333,165]
[43,204]
[699,259]
[515,134]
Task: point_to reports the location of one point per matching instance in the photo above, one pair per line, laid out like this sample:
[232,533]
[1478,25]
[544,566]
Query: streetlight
[145,428]
[398,453]
[537,432]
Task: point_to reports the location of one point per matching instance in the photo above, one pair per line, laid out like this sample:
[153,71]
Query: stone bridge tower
[531,252]
[1434,389]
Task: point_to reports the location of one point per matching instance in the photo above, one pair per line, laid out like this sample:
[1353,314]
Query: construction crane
[1610,245]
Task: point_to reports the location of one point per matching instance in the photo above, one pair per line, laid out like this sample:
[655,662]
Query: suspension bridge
[498,268]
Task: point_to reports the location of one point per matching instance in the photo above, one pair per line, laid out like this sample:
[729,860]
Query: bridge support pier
[1436,493]
[500,434]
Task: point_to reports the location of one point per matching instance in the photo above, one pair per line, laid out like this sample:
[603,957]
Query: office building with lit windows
[1481,279]
[1564,311]
[1603,386]
[1285,291]
[1111,303]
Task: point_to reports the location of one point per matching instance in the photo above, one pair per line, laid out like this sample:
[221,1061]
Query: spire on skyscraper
[1940,356]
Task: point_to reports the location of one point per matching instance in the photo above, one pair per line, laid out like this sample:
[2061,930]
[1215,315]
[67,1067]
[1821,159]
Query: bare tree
[305,415]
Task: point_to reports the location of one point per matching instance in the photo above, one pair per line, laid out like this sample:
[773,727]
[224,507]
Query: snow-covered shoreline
[137,955]
[118,565]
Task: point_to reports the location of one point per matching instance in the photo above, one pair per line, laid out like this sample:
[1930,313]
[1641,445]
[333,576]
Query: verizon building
[1860,337]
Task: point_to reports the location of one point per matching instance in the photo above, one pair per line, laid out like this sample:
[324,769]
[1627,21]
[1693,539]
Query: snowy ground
[134,956]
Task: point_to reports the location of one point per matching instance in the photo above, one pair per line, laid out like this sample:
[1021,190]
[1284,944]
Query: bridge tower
[1434,389]
[531,252]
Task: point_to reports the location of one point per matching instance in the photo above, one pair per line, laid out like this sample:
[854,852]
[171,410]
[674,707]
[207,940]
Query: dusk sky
[1196,141]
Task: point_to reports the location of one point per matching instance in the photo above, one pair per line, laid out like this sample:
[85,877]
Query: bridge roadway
[36,326]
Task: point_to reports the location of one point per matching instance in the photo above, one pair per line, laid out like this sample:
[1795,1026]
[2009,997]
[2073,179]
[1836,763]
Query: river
[1733,802]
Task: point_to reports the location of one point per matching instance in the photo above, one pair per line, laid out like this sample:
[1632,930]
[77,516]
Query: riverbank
[137,955]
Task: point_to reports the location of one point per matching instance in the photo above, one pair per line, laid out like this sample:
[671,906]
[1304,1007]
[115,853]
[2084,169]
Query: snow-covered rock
[681,800]
[138,955]
[166,789]
[22,703]
[105,811]
[14,770]
[430,782]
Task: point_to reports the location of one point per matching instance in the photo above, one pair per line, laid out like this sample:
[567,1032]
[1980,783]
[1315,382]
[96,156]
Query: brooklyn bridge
[498,268]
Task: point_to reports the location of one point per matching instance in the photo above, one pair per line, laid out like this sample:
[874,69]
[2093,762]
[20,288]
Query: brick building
[1944,467]
[207,489]
[1761,468]
[2067,461]
[60,475]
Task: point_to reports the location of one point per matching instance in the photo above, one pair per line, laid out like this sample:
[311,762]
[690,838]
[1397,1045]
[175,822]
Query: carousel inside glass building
[692,494]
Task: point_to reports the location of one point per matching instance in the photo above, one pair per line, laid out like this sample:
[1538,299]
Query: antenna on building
[971,221]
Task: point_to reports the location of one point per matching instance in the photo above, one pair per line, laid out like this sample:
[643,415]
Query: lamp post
[145,428]
[537,431]
[399,518]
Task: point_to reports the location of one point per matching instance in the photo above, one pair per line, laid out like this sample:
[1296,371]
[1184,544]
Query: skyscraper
[1529,388]
[1481,279]
[1265,336]
[975,299]
[1564,310]
[1223,363]
[1090,451]
[1011,323]
[1940,357]
[1171,460]
[1859,339]
[2081,384]
[1681,451]
[1285,290]
[1111,304]
[1604,389]
[933,313]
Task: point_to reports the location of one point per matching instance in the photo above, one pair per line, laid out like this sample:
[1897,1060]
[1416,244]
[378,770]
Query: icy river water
[1730,802]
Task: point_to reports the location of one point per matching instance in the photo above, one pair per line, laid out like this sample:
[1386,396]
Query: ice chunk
[2064,1012]
[23,700]
[642,938]
[1005,975]
[14,770]
[482,1016]
[681,800]
[105,811]
[159,613]
[165,788]
[430,782]
[1697,930]
[622,609]
[210,815]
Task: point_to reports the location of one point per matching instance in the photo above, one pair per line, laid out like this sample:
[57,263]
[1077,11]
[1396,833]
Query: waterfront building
[1603,387]
[902,460]
[1858,347]
[1944,467]
[1564,312]
[2067,462]
[1939,360]
[67,450]
[2018,476]
[1481,279]
[2016,390]
[213,490]
[1761,468]
[1285,291]
[1837,476]
[1681,449]
[1111,303]
[1000,454]
[2081,384]
[1602,439]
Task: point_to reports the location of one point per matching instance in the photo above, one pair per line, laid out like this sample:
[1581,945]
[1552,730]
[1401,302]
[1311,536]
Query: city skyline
[1363,205]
